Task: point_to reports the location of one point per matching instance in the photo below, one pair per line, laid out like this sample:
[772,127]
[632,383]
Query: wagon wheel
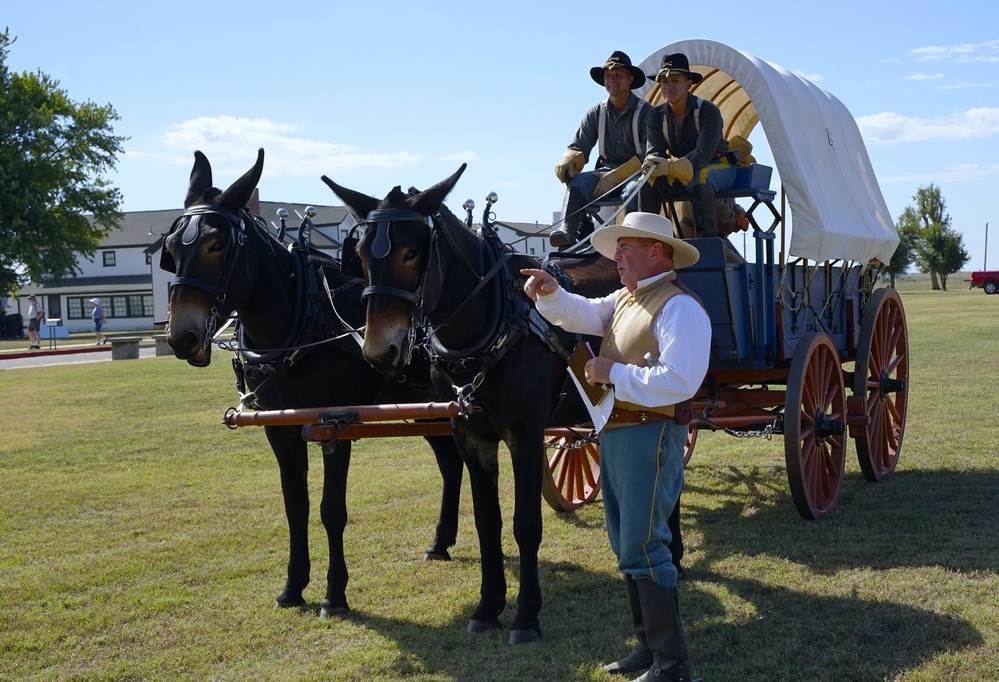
[883,349]
[572,477]
[815,426]
[688,448]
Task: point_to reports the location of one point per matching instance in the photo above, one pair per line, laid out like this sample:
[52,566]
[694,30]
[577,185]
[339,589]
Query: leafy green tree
[939,250]
[53,153]
[905,253]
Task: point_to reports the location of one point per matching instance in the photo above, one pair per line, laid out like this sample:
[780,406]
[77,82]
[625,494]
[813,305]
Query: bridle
[234,249]
[381,245]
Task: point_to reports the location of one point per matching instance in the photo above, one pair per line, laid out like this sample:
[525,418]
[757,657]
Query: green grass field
[142,540]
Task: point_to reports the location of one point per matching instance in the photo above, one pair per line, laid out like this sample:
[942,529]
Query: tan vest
[629,337]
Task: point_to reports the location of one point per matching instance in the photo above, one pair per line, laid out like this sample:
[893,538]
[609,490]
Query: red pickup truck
[985,279]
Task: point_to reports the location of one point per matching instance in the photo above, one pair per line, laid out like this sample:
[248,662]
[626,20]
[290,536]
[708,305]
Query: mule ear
[201,180]
[359,204]
[428,201]
[239,192]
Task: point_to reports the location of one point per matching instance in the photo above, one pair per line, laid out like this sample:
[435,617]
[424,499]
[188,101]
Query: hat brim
[638,76]
[692,75]
[604,240]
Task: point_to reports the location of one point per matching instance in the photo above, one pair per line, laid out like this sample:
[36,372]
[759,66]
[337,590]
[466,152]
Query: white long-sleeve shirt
[683,330]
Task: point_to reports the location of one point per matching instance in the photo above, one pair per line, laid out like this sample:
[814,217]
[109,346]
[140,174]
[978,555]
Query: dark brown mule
[295,352]
[428,274]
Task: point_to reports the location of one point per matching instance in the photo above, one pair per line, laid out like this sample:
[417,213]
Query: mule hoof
[431,554]
[477,626]
[288,601]
[327,611]
[524,636]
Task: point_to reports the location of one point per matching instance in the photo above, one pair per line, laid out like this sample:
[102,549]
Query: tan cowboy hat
[645,226]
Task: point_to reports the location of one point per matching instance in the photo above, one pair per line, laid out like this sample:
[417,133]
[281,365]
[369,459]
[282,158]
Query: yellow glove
[569,165]
[613,178]
[655,166]
[680,169]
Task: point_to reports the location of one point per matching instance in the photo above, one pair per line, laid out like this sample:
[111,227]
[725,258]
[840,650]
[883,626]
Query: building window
[132,305]
[108,259]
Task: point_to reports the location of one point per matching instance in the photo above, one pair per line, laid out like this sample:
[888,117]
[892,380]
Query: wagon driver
[685,141]
[641,448]
[617,127]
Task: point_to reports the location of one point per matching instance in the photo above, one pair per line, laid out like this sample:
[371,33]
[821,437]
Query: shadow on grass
[911,519]
[586,624]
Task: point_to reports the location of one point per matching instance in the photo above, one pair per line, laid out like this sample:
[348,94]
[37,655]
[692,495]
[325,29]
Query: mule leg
[333,510]
[293,462]
[483,474]
[527,451]
[450,465]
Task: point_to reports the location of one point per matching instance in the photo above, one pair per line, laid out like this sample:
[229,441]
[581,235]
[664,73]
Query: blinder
[381,247]
[190,234]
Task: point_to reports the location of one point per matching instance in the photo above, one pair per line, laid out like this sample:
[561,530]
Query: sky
[376,94]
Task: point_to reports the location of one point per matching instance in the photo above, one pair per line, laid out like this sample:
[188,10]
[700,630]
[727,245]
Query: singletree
[53,153]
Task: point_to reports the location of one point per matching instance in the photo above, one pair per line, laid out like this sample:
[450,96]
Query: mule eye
[411,255]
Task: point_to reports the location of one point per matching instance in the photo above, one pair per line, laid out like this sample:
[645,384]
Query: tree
[939,250]
[53,152]
[908,235]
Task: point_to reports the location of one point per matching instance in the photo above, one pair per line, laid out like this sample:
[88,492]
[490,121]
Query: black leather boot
[640,657]
[563,235]
[705,211]
[664,634]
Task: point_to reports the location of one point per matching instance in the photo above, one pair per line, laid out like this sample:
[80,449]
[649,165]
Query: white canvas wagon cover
[837,209]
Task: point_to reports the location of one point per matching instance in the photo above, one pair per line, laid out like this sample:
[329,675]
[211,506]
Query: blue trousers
[580,192]
[641,475]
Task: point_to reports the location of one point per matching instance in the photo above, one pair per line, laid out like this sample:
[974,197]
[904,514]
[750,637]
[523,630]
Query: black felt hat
[618,60]
[676,63]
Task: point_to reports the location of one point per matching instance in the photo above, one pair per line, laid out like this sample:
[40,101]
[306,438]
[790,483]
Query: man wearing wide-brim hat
[685,141]
[654,353]
[617,127]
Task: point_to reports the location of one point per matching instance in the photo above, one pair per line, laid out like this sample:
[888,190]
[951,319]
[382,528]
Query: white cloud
[890,128]
[226,138]
[924,77]
[961,54]
[463,157]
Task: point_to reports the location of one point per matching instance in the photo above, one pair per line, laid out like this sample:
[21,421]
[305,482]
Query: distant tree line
[927,240]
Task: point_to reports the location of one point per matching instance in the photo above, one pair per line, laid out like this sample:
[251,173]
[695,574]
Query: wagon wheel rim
[883,349]
[688,448]
[815,426]
[572,472]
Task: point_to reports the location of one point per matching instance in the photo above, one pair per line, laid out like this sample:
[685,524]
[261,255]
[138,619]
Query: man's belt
[636,416]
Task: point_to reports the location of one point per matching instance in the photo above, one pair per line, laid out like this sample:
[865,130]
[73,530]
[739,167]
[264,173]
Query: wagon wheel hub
[826,426]
[889,385]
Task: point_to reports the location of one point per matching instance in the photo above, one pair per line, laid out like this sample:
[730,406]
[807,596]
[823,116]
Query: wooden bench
[125,347]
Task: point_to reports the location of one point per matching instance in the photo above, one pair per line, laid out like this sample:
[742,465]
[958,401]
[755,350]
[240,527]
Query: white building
[126,276]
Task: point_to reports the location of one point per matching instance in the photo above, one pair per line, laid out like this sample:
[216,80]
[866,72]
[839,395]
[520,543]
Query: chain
[464,395]
[767,432]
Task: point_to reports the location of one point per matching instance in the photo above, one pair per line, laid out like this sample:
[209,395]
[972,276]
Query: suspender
[602,129]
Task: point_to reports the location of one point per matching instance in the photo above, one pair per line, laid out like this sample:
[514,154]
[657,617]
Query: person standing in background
[97,313]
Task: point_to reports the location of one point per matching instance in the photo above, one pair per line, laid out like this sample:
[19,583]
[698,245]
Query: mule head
[202,250]
[394,252]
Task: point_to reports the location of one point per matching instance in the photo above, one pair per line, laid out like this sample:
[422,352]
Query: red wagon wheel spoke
[881,376]
[814,426]
[572,475]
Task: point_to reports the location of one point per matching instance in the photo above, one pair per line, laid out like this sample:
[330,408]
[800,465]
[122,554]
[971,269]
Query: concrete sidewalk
[69,353]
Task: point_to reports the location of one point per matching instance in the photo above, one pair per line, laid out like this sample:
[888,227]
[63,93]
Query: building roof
[144,228]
